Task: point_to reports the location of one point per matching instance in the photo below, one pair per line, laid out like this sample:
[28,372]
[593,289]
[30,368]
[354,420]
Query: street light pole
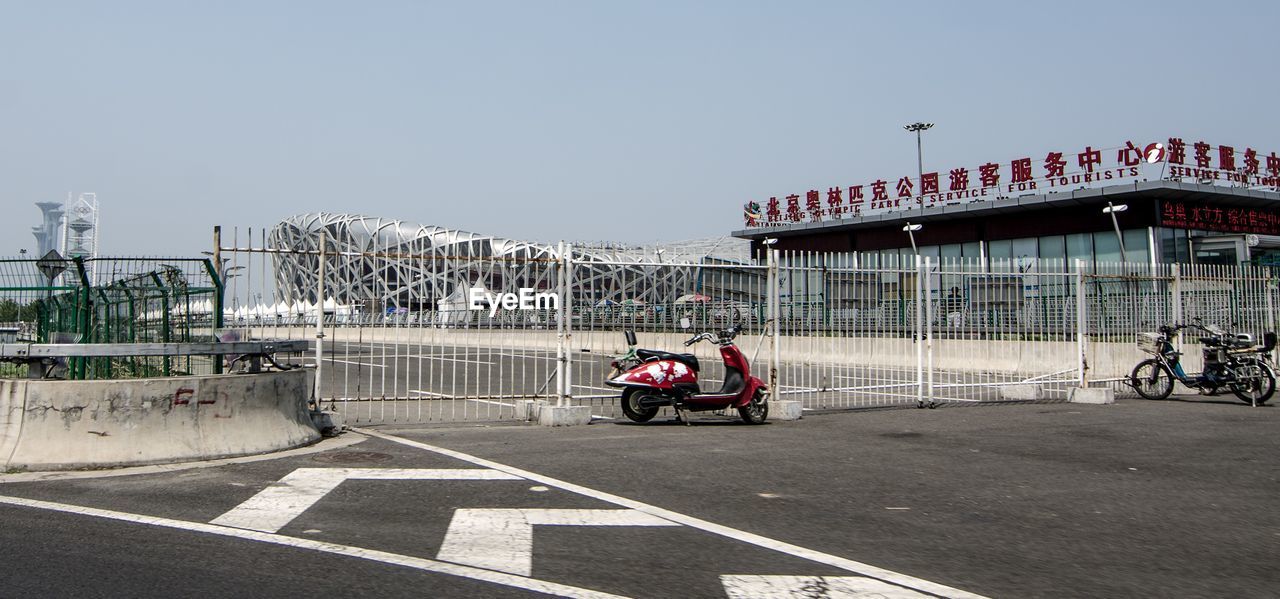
[911,232]
[1112,210]
[918,127]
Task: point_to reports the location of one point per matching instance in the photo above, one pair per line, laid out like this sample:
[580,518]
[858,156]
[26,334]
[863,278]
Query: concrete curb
[564,415]
[786,410]
[1092,395]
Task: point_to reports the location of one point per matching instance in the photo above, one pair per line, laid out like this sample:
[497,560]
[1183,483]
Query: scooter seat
[652,354]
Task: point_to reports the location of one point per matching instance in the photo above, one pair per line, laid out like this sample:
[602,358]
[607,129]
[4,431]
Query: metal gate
[439,329]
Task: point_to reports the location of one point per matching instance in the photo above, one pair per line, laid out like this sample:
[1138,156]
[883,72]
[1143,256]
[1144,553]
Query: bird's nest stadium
[381,265]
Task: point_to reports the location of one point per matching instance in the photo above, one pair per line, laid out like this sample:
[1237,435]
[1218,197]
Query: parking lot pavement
[1133,499]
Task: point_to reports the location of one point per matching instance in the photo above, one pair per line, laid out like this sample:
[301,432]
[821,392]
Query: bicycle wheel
[1151,379]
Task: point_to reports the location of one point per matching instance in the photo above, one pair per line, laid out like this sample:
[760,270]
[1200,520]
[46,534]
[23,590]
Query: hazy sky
[626,121]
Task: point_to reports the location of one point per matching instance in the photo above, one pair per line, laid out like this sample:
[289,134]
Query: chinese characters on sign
[1174,158]
[1193,215]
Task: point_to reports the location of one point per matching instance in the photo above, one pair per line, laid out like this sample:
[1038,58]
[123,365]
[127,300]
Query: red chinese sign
[1171,159]
[1205,217]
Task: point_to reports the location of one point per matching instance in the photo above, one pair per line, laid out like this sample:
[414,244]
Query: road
[1169,499]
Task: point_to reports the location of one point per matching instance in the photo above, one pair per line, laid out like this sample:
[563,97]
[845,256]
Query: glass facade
[1027,252]
[1171,246]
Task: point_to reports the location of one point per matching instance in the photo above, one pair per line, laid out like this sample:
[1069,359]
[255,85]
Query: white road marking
[496,403]
[533,355]
[812,587]
[369,364]
[502,539]
[836,561]
[417,563]
[432,394]
[443,359]
[286,499]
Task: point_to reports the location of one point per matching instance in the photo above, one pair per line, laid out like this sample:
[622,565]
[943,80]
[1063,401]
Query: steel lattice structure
[371,261]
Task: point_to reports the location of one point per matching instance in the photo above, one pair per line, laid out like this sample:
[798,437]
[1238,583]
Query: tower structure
[80,230]
[48,234]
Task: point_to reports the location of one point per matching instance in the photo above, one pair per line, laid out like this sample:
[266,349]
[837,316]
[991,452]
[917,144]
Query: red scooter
[651,379]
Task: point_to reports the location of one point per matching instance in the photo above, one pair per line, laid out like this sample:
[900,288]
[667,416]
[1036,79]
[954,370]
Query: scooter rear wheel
[633,410]
[756,411]
[1256,390]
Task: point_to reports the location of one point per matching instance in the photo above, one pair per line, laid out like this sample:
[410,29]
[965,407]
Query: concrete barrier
[54,425]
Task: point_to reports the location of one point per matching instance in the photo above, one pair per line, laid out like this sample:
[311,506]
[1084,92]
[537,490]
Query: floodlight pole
[918,127]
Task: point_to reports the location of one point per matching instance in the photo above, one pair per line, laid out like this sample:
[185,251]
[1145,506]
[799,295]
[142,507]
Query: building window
[1080,247]
[1053,252]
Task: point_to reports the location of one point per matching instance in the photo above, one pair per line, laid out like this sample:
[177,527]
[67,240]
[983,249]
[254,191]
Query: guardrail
[42,359]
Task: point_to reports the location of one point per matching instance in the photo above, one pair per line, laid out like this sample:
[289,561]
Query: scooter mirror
[631,337]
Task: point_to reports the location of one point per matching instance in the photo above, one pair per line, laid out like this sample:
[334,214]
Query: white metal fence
[835,331]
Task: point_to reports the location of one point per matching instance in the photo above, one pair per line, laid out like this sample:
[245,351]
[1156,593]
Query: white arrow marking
[407,561]
[502,539]
[286,499]
[931,588]
[813,587]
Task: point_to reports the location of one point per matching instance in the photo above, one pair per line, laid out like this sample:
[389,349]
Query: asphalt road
[1167,499]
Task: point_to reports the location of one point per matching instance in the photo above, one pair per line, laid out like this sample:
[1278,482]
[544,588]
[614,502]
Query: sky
[630,122]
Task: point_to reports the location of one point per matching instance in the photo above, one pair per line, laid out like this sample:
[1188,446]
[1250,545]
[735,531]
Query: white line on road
[856,567]
[444,359]
[286,499]
[417,563]
[369,364]
[535,355]
[804,587]
[502,539]
[496,403]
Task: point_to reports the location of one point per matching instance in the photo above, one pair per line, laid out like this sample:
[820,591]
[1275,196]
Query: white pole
[1176,307]
[319,319]
[928,320]
[774,313]
[560,319]
[1081,324]
[919,333]
[566,298]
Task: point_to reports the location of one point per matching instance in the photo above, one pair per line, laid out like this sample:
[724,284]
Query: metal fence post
[320,319]
[566,396]
[561,346]
[1176,292]
[1268,289]
[918,334]
[1082,323]
[928,324]
[772,317]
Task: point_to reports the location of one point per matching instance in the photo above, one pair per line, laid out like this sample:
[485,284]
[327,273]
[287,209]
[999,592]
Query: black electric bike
[1231,361]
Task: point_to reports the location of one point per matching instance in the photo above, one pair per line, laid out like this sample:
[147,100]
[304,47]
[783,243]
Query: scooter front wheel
[1151,379]
[633,410]
[757,410]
